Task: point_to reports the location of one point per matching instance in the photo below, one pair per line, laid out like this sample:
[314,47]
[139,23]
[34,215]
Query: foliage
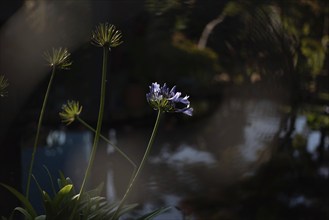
[314,53]
[90,206]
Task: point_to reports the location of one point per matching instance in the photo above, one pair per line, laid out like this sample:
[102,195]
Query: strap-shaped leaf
[126,209]
[23,200]
[155,213]
[47,203]
[24,212]
[95,192]
[50,179]
[41,217]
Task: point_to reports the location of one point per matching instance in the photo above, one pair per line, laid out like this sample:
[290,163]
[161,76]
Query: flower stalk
[141,165]
[105,36]
[108,141]
[162,99]
[36,140]
[99,121]
[71,111]
[58,59]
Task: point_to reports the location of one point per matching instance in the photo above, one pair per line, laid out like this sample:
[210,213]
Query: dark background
[261,58]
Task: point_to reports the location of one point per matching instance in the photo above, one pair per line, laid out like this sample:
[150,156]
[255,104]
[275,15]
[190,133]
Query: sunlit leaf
[63,193]
[62,181]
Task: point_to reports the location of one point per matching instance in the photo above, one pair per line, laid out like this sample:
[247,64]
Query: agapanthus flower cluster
[168,100]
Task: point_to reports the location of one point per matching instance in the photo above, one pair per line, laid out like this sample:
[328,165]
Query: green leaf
[23,200]
[62,194]
[38,185]
[47,202]
[233,8]
[62,181]
[154,213]
[127,209]
[314,53]
[41,217]
[51,179]
[42,194]
[95,192]
[24,212]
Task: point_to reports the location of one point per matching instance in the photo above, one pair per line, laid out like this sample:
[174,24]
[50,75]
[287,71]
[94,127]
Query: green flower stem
[108,141]
[142,164]
[100,119]
[38,132]
[98,128]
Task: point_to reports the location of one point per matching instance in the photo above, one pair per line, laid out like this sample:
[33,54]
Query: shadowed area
[256,73]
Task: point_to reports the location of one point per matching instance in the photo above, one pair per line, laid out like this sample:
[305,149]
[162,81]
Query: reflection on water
[203,158]
[262,124]
[184,155]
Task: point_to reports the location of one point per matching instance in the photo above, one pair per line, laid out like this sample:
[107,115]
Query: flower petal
[165,99]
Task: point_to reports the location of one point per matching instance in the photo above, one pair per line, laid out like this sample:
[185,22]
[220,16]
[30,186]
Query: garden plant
[66,201]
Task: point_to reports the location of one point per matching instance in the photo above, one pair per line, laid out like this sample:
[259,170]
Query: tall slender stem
[108,141]
[38,132]
[98,129]
[142,164]
[100,119]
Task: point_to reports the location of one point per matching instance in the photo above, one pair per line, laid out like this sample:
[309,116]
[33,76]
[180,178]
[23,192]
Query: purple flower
[168,100]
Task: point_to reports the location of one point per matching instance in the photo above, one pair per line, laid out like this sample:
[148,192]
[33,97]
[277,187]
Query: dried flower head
[70,111]
[168,100]
[59,58]
[3,86]
[106,35]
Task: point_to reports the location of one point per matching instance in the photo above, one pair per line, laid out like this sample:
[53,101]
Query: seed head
[106,35]
[59,58]
[70,111]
